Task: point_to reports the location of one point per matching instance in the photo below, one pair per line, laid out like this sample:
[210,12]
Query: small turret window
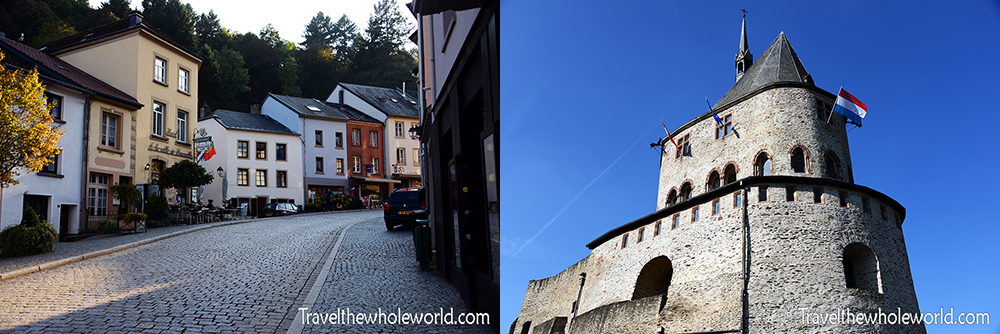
[713,181]
[685,191]
[861,268]
[798,160]
[833,169]
[762,165]
[672,197]
[730,174]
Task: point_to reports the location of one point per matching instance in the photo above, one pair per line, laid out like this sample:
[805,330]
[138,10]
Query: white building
[323,129]
[56,193]
[260,157]
[399,113]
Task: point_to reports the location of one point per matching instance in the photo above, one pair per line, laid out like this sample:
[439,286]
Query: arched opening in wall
[714,182]
[685,191]
[798,160]
[833,170]
[526,327]
[730,174]
[762,165]
[672,197]
[861,269]
[654,278]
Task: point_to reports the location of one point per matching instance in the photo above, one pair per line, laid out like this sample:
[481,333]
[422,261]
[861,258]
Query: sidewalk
[68,252]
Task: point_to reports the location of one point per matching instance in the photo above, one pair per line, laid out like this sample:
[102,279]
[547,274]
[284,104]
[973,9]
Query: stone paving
[377,269]
[239,278]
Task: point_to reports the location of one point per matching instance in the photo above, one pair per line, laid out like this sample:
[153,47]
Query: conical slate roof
[778,64]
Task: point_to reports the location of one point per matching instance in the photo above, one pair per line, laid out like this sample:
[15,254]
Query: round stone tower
[759,228]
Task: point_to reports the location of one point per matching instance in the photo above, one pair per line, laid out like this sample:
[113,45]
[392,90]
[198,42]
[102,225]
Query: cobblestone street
[241,278]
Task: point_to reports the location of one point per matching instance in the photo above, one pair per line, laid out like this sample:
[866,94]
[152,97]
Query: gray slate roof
[301,106]
[381,98]
[235,120]
[778,64]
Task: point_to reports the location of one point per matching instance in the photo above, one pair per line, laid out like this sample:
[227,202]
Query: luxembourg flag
[850,107]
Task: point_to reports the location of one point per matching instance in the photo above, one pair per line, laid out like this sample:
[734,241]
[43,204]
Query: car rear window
[406,197]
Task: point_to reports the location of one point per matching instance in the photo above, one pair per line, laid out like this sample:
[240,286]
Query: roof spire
[744,58]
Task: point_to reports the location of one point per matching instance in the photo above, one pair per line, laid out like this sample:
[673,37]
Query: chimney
[203,111]
[134,18]
[3,35]
[255,108]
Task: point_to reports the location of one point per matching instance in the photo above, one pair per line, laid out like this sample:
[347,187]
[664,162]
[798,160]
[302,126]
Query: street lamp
[415,131]
[220,171]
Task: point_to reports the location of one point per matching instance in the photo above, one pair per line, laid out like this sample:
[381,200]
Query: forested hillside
[239,69]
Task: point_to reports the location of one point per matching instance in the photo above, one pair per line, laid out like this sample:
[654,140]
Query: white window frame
[183,80]
[399,130]
[181,126]
[357,164]
[109,131]
[416,157]
[160,70]
[401,156]
[158,110]
[374,166]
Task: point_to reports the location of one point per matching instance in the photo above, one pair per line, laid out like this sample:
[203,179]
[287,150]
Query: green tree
[379,58]
[318,32]
[173,18]
[118,8]
[50,31]
[27,136]
[223,77]
[185,174]
[342,34]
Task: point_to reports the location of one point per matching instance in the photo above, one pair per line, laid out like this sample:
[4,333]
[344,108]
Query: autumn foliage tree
[27,137]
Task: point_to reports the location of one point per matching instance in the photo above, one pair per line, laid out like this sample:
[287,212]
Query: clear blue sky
[586,83]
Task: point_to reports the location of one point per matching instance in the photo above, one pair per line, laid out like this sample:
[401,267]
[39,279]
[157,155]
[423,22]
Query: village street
[250,277]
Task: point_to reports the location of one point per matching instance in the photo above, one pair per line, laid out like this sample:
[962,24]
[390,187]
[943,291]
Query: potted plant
[132,221]
[156,207]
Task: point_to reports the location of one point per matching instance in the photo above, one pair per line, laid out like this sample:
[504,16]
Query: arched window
[685,191]
[713,181]
[833,170]
[654,278]
[672,197]
[730,174]
[798,160]
[861,269]
[762,165]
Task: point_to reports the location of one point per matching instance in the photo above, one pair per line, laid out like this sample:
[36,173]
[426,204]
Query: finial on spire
[744,58]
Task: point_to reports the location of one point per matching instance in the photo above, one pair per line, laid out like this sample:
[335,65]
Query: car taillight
[423,205]
[385,205]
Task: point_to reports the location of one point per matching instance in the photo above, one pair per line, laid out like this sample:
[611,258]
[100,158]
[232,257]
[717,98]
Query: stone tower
[759,228]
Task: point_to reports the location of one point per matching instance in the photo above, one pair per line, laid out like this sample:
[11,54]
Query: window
[97,194]
[319,138]
[730,174]
[182,80]
[52,167]
[339,138]
[843,199]
[340,166]
[694,214]
[356,137]
[399,130]
[157,166]
[881,210]
[789,194]
[319,165]
[713,181]
[182,126]
[160,70]
[833,166]
[861,268]
[401,156]
[372,138]
[798,160]
[724,129]
[55,104]
[243,149]
[762,194]
[416,157]
[677,222]
[684,146]
[762,165]
[685,191]
[656,231]
[374,165]
[281,179]
[818,195]
[261,178]
[716,207]
[158,109]
[642,231]
[823,111]
[737,199]
[109,130]
[261,151]
[280,152]
[356,168]
[672,197]
[864,205]
[243,177]
[625,241]
[340,97]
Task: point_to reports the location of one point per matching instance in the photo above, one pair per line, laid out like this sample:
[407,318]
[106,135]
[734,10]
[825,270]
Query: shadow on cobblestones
[377,269]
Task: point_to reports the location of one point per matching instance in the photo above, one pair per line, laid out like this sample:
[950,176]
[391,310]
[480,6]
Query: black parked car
[280,209]
[405,206]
